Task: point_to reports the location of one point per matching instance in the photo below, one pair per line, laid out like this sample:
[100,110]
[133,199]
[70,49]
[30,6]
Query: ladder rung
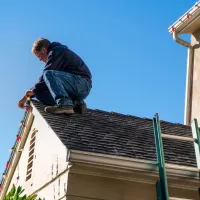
[174,198]
[178,137]
[162,185]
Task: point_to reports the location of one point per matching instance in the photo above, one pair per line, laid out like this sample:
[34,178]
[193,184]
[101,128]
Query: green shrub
[17,194]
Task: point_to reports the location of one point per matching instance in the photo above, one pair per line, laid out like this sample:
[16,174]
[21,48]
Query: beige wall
[195,106]
[91,187]
[84,187]
[49,160]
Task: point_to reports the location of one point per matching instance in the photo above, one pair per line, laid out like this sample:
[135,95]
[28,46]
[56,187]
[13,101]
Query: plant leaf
[19,189]
[12,191]
[16,197]
[32,197]
[7,197]
[23,198]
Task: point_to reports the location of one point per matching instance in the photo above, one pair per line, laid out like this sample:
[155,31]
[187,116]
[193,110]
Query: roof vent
[31,155]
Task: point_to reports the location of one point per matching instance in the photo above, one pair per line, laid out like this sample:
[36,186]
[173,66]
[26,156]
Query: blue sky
[137,67]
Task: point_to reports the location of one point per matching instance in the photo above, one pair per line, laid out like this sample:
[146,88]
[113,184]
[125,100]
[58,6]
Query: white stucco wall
[49,160]
[56,190]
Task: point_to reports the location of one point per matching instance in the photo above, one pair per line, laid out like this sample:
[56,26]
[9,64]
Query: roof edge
[186,19]
[16,154]
[131,163]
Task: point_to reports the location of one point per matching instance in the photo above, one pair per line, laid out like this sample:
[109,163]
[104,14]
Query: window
[31,155]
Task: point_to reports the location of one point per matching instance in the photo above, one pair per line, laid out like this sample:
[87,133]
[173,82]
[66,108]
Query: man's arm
[22,101]
[40,85]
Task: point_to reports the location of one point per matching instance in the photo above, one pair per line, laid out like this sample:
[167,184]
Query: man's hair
[39,44]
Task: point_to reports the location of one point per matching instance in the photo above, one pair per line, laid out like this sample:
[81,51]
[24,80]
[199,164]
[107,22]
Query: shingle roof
[119,135]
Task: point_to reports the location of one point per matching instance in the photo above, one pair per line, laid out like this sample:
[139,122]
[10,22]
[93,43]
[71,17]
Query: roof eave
[189,22]
[16,154]
[131,163]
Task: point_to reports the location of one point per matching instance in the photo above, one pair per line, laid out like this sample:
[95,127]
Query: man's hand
[29,93]
[22,101]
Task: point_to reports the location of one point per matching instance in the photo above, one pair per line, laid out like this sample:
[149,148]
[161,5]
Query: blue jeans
[63,88]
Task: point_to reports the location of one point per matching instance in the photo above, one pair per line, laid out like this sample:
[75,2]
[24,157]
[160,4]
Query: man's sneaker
[80,107]
[59,109]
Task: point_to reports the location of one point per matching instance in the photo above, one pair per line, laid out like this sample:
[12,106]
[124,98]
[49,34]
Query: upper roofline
[189,22]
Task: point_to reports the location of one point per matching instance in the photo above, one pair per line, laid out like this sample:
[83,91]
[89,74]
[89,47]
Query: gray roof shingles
[120,135]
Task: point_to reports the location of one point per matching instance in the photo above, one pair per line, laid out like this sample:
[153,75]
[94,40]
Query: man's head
[40,48]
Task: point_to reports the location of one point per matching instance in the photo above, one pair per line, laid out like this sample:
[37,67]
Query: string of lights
[22,125]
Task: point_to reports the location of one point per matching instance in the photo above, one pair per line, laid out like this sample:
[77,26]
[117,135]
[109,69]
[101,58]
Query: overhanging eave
[189,22]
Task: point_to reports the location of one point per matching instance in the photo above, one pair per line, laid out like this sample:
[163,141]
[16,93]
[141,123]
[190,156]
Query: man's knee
[48,73]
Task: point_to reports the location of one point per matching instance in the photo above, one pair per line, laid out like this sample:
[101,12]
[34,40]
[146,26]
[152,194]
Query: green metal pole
[196,136]
[160,158]
[159,191]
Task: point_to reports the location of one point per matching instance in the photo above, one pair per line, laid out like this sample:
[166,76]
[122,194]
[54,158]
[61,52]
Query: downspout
[189,77]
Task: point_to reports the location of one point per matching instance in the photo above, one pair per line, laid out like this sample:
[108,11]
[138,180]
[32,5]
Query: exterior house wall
[49,161]
[56,190]
[84,186]
[195,104]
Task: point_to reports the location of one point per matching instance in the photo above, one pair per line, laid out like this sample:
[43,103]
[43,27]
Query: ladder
[161,185]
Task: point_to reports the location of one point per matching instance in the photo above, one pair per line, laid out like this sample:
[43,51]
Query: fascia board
[131,164]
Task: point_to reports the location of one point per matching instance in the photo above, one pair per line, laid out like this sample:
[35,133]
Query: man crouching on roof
[66,80]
